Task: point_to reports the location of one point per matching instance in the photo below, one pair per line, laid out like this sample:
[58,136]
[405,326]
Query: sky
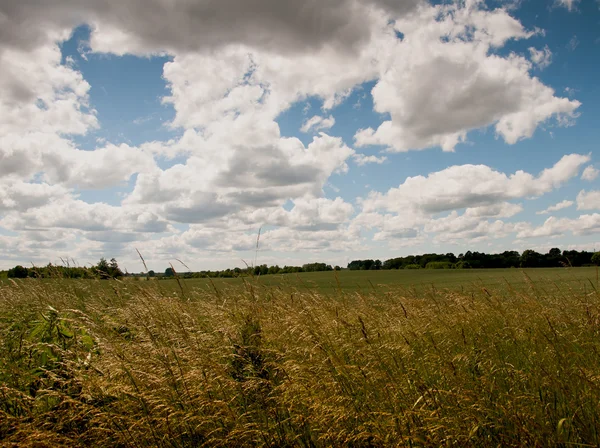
[345,129]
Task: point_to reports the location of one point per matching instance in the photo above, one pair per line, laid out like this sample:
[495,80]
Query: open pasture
[416,280]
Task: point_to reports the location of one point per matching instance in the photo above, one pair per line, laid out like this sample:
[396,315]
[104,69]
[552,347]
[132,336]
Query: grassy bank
[513,362]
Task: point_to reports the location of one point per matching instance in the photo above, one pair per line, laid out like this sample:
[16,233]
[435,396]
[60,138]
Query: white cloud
[588,200]
[361,159]
[26,155]
[462,228]
[22,196]
[583,225]
[471,186]
[479,88]
[241,167]
[412,210]
[318,123]
[308,213]
[38,94]
[153,26]
[569,4]
[554,208]
[590,173]
[541,58]
[70,213]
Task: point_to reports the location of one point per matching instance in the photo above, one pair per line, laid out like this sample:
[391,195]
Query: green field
[414,280]
[364,359]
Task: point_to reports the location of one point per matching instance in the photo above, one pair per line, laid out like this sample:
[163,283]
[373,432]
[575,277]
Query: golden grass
[84,365]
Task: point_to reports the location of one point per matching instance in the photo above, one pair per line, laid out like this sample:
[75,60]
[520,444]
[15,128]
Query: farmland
[395,280]
[353,358]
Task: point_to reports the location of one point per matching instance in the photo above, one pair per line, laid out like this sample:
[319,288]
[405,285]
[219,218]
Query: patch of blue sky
[126,92]
[111,196]
[6,232]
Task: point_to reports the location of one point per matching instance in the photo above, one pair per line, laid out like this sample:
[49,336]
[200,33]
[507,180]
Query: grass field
[415,280]
[390,358]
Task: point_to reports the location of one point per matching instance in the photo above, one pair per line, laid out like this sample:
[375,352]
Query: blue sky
[375,132]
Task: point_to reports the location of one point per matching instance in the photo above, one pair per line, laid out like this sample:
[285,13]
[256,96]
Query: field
[415,280]
[348,359]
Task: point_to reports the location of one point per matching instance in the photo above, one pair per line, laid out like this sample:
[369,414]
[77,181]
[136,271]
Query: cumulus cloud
[590,173]
[247,169]
[39,94]
[471,186]
[429,207]
[71,213]
[152,26]
[22,196]
[588,200]
[317,123]
[554,208]
[580,226]
[58,161]
[479,88]
[308,213]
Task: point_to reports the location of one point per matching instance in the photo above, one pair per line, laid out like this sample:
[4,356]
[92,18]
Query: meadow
[348,359]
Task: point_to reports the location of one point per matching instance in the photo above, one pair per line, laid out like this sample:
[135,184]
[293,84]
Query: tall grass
[133,366]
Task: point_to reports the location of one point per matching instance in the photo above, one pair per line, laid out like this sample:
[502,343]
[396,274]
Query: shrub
[438,265]
[18,272]
[412,266]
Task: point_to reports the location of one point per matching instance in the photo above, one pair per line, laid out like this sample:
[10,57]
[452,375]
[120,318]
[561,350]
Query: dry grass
[84,365]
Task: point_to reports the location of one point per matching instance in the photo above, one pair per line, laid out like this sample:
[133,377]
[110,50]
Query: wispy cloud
[557,207]
[318,123]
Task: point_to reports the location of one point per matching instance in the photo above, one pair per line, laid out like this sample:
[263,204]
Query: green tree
[151,273]
[596,258]
[555,252]
[530,259]
[169,272]
[113,269]
[18,272]
[102,268]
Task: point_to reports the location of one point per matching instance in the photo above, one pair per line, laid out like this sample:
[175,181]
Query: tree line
[469,260]
[103,269]
[479,260]
[262,269]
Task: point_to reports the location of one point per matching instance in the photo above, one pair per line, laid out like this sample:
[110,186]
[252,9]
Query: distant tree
[530,259]
[337,268]
[18,272]
[554,252]
[113,269]
[261,270]
[169,272]
[102,268]
[596,258]
[151,273]
[316,267]
[462,265]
